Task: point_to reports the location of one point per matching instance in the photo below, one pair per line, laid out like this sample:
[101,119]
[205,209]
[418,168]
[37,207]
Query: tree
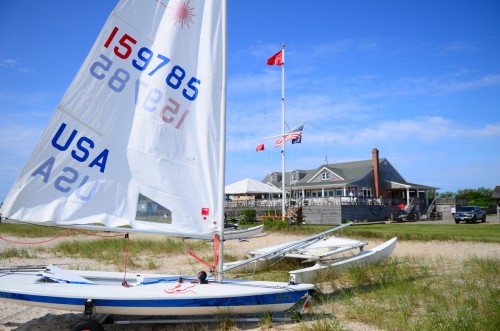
[479,197]
[446,195]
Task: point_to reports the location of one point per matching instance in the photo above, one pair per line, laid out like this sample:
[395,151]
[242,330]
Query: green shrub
[248,216]
[276,224]
[271,212]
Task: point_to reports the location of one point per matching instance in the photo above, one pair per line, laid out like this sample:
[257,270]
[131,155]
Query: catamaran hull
[366,257]
[149,295]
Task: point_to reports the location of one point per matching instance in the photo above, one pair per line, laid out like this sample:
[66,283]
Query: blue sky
[418,80]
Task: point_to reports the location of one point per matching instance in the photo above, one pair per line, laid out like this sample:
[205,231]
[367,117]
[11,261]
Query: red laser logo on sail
[205,212]
[182,13]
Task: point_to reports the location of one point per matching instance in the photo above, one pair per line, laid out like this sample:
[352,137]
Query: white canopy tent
[250,187]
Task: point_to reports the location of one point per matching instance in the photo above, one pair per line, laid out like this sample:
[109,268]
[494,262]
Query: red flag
[276,59]
[260,148]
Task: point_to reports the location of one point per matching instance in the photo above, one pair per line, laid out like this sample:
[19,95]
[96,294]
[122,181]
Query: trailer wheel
[88,325]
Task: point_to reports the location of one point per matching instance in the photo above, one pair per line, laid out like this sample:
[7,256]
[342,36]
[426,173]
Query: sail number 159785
[147,60]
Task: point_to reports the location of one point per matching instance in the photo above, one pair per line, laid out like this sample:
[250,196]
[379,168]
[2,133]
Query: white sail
[142,116]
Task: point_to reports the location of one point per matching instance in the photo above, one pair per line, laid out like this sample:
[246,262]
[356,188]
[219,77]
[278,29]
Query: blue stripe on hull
[254,300]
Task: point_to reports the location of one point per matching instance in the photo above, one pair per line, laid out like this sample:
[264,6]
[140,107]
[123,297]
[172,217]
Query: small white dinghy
[143,294]
[144,116]
[243,233]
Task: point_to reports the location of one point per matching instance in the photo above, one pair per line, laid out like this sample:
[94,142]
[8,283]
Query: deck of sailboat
[146,294]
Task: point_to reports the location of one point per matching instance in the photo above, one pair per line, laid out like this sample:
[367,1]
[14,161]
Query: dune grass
[142,252]
[108,249]
[30,231]
[12,253]
[409,294]
[404,294]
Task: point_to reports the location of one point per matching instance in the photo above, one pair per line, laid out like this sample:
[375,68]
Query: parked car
[470,214]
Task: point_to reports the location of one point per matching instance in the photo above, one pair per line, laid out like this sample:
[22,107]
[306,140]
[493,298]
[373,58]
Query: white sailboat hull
[148,295]
[242,234]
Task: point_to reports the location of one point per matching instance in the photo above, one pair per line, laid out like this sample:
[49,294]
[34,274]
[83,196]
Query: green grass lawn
[408,231]
[425,232]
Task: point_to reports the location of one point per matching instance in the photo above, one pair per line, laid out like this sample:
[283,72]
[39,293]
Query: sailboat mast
[222,149]
[283,207]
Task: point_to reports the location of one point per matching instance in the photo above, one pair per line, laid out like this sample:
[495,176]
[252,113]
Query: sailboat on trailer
[145,115]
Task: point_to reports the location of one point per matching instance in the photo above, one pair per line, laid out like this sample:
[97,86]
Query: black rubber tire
[88,325]
[456,222]
[483,219]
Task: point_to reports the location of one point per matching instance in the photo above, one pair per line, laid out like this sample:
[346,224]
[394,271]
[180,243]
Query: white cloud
[461,46]
[8,62]
[13,64]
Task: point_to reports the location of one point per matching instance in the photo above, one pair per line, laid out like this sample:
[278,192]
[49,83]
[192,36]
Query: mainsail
[142,116]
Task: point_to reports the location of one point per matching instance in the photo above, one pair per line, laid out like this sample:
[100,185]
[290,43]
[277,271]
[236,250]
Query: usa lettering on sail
[82,149]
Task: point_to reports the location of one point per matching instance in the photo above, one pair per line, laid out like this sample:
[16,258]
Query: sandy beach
[20,317]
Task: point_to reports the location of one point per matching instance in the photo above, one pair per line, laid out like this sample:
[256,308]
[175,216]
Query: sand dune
[19,317]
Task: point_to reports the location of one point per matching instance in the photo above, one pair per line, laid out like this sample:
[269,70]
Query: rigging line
[62,226]
[37,242]
[288,126]
[57,237]
[179,290]
[193,254]
[124,283]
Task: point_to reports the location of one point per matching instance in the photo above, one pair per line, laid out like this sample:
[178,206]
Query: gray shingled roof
[350,172]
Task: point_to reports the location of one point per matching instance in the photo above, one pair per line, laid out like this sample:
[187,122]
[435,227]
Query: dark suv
[470,214]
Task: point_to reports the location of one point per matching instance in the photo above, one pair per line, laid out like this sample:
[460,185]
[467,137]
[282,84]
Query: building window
[316,194]
[325,176]
[294,176]
[367,192]
[274,178]
[339,192]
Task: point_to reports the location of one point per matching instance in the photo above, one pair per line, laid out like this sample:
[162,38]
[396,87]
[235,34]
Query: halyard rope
[216,255]
[57,237]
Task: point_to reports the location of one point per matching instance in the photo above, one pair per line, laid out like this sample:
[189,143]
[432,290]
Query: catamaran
[145,115]
[320,251]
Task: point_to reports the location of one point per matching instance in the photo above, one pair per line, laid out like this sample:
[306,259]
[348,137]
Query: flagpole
[283,207]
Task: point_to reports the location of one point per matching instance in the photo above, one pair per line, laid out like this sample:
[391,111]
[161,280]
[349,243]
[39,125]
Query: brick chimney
[376,173]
